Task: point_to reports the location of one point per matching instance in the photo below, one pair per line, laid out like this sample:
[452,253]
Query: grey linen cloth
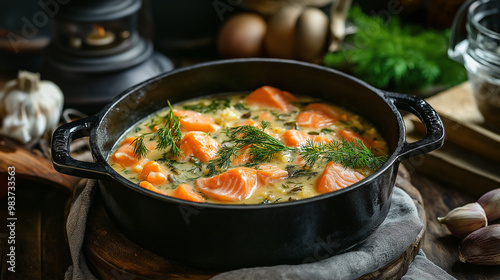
[388,242]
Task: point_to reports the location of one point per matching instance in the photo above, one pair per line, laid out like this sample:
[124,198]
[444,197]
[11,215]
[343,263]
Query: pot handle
[435,134]
[61,157]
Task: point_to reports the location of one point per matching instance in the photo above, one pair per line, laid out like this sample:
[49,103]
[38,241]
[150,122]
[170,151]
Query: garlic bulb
[481,247]
[29,108]
[463,220]
[490,202]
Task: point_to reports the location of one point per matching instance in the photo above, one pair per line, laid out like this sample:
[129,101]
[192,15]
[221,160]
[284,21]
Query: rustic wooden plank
[114,256]
[55,252]
[28,231]
[31,166]
[463,122]
[3,244]
[457,167]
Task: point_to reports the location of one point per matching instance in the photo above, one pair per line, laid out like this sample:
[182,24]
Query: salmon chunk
[243,157]
[194,121]
[266,116]
[186,192]
[336,177]
[295,138]
[199,145]
[148,186]
[314,119]
[125,156]
[236,184]
[250,122]
[317,115]
[271,97]
[328,110]
[268,173]
[153,173]
[353,136]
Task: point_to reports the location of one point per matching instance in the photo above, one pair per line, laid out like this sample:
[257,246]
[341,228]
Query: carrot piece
[314,119]
[194,121]
[137,168]
[336,177]
[148,186]
[271,97]
[153,173]
[199,145]
[353,136]
[186,192]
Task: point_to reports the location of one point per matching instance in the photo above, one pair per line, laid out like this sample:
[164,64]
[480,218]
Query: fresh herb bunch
[390,55]
[353,154]
[263,148]
[167,136]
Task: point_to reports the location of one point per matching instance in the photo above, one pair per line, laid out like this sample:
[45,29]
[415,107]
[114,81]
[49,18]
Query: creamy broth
[227,111]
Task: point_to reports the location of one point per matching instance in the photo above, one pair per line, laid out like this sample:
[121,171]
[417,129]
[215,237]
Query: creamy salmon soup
[267,146]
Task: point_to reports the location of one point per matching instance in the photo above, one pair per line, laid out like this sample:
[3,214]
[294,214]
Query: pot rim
[393,157]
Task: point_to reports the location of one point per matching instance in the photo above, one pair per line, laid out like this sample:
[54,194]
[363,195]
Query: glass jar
[479,51]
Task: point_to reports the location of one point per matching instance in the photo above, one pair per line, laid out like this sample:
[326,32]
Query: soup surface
[267,146]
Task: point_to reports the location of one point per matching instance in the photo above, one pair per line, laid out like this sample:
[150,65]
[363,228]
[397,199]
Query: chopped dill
[327,130]
[240,107]
[296,190]
[300,172]
[168,136]
[216,105]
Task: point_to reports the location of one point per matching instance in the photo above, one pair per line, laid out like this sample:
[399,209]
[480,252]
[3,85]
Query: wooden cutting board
[470,157]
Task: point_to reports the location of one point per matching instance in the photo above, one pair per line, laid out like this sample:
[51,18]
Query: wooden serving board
[470,157]
[31,166]
[112,256]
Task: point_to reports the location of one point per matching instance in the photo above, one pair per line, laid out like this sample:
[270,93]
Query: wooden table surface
[42,252]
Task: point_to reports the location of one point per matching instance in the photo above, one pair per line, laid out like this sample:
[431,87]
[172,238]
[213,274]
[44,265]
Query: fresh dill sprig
[140,149]
[397,56]
[262,146]
[169,135]
[353,154]
[225,156]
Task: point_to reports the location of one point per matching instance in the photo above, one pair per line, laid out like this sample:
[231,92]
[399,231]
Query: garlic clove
[461,221]
[481,247]
[490,202]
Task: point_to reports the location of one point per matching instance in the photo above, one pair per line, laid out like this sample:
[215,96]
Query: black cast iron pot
[230,236]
